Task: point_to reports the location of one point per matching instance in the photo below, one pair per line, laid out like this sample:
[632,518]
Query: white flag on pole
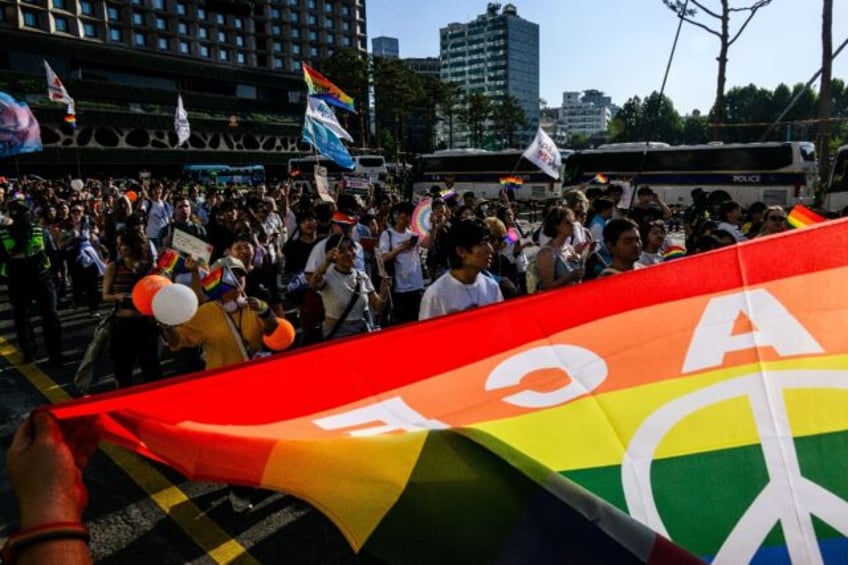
[544,154]
[181,125]
[55,89]
[319,111]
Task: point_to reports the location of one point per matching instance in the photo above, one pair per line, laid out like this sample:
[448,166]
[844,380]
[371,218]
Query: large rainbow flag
[319,86]
[707,399]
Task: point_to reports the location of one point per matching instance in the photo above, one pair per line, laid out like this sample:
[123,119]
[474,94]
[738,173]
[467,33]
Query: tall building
[587,113]
[124,61]
[495,54]
[385,47]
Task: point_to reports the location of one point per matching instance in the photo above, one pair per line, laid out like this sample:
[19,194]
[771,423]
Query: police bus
[774,172]
[481,172]
[836,198]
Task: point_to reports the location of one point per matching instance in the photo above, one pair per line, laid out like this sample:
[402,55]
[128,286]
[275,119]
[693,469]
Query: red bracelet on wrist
[28,537]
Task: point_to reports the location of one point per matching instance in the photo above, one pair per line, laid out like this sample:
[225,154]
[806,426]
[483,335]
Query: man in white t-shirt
[399,249]
[159,215]
[464,286]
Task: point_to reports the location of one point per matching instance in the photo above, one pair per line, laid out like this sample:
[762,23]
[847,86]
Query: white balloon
[77,184]
[174,304]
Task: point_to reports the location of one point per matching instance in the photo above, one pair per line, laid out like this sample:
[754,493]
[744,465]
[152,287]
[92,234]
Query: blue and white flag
[181,125]
[321,112]
[19,130]
[544,154]
[326,142]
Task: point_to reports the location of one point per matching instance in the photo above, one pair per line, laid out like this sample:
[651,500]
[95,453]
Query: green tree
[695,130]
[475,114]
[349,70]
[449,103]
[720,20]
[627,124]
[508,119]
[397,90]
[745,106]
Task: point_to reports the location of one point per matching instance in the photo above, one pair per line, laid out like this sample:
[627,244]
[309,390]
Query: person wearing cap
[25,252]
[230,328]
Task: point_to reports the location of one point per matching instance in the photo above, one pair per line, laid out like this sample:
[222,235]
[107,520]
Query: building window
[295,66]
[201,14]
[345,10]
[328,8]
[329,23]
[59,4]
[313,36]
[219,19]
[345,26]
[331,38]
[239,23]
[30,19]
[162,43]
[296,49]
[345,41]
[116,34]
[223,55]
[275,13]
[185,48]
[182,28]
[87,8]
[278,63]
[181,9]
[204,51]
[276,29]
[61,24]
[240,57]
[295,33]
[222,37]
[89,29]
[240,40]
[139,39]
[202,32]
[313,52]
[293,2]
[311,20]
[113,14]
[161,24]
[159,4]
[295,17]
[278,47]
[138,19]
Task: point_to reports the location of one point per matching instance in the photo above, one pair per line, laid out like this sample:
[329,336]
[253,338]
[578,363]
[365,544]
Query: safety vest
[34,248]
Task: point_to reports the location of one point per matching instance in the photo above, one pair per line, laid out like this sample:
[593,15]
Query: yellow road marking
[216,542]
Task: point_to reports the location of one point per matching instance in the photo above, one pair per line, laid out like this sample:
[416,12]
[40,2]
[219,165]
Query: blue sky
[621,46]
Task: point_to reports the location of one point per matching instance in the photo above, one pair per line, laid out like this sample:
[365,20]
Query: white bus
[480,172]
[370,167]
[775,173]
[837,188]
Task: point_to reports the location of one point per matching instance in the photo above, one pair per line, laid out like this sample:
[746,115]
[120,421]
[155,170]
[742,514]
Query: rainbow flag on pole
[218,282]
[801,217]
[512,182]
[319,86]
[712,410]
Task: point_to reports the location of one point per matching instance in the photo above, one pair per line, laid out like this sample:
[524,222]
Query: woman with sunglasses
[774,221]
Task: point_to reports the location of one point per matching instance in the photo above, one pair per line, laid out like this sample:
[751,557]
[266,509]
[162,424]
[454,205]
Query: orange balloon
[131,194]
[144,291]
[282,337]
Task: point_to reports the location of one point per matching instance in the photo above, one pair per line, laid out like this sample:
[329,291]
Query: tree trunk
[717,115]
[825,100]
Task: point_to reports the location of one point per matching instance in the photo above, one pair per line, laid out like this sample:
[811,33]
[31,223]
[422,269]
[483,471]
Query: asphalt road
[143,512]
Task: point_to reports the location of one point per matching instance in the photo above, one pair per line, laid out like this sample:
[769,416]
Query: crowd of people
[335,267]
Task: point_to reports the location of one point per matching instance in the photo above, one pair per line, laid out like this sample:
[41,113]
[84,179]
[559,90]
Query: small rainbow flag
[170,261]
[219,282]
[674,252]
[448,194]
[71,120]
[600,178]
[319,86]
[512,235]
[801,217]
[512,182]
[342,218]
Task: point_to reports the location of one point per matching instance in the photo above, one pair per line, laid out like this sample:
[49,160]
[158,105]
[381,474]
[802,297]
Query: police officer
[25,250]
